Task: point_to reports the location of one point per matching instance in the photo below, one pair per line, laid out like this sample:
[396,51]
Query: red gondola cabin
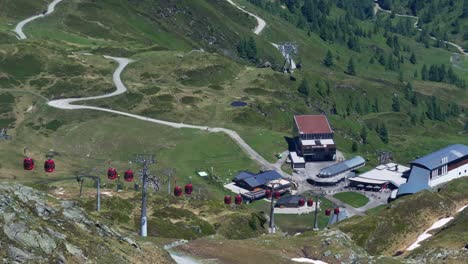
[268,194]
[310,202]
[112,174]
[238,199]
[301,202]
[227,199]
[128,175]
[28,164]
[49,166]
[178,191]
[277,195]
[337,210]
[328,212]
[188,189]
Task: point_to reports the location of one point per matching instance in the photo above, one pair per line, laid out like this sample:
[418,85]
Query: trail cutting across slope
[378,8]
[261,24]
[19,28]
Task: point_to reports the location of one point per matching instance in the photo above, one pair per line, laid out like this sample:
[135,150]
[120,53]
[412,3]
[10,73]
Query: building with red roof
[314,138]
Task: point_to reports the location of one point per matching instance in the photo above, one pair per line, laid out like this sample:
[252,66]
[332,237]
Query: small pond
[238,104]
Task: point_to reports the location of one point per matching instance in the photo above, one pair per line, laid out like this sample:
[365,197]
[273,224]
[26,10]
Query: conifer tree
[383,133]
[413,58]
[396,104]
[304,87]
[363,135]
[424,73]
[354,147]
[328,60]
[351,68]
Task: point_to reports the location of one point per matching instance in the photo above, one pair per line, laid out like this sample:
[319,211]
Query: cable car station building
[313,138]
[436,168]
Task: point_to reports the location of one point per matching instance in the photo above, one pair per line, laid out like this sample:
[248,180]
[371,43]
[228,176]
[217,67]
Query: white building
[391,175]
[436,168]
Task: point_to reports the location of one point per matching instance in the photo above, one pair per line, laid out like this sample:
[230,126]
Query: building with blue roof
[436,168]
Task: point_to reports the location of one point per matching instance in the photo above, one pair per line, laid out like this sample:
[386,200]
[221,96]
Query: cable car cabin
[227,199]
[238,199]
[328,212]
[112,174]
[277,194]
[178,191]
[49,166]
[128,176]
[301,202]
[268,194]
[188,189]
[28,164]
[337,210]
[310,202]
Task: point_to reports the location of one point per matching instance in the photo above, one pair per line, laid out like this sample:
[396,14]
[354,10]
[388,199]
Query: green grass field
[291,223]
[354,199]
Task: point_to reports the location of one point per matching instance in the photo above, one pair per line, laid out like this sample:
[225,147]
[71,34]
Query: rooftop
[312,124]
[255,180]
[288,200]
[295,158]
[321,142]
[389,172]
[341,167]
[417,181]
[435,159]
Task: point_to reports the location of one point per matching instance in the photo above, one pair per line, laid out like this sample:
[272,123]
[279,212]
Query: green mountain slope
[383,84]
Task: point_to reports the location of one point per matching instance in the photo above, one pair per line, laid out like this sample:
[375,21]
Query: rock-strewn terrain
[36,228]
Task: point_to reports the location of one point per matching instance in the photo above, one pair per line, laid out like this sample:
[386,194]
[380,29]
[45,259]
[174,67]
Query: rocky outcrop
[36,230]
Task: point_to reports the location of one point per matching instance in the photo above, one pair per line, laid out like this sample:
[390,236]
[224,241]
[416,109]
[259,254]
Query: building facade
[314,138]
[436,168]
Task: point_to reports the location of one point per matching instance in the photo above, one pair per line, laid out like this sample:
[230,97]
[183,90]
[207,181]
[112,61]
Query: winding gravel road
[67,104]
[261,24]
[121,88]
[19,28]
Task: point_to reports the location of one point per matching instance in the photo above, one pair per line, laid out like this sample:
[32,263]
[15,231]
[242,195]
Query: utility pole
[97,182]
[169,172]
[272,211]
[318,196]
[317,199]
[145,160]
[81,186]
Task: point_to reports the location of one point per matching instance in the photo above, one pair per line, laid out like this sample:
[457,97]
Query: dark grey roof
[418,180]
[434,160]
[243,174]
[258,179]
[342,167]
[289,199]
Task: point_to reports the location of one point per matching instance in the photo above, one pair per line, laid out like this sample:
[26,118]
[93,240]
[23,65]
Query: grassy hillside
[192,59]
[444,19]
[396,227]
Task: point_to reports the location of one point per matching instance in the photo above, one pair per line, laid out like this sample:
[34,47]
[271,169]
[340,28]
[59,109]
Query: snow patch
[440,223]
[308,260]
[461,209]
